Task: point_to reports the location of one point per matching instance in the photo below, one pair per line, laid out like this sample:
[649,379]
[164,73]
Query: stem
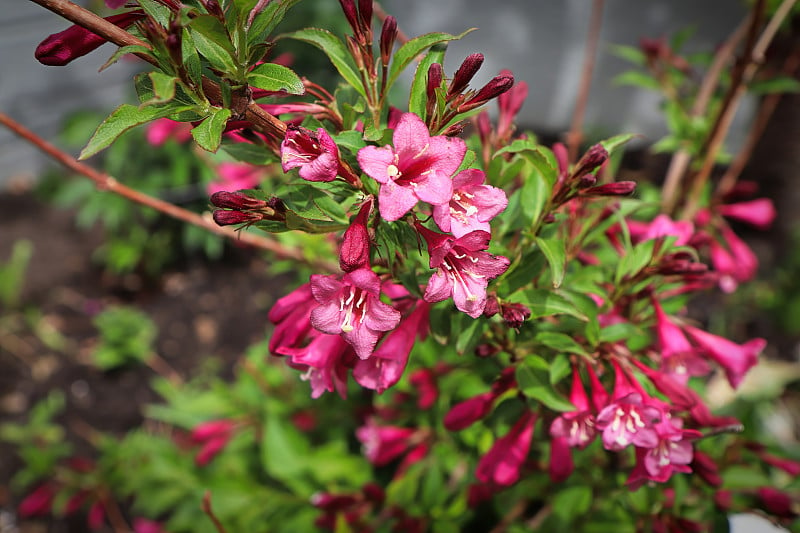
[108,183]
[206,507]
[575,135]
[681,159]
[765,112]
[740,79]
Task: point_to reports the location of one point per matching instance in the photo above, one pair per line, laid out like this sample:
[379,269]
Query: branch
[206,507]
[108,183]
[575,135]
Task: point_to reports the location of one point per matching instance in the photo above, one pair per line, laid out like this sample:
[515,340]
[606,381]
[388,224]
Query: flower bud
[514,314]
[388,36]
[434,82]
[464,75]
[229,218]
[354,253]
[236,200]
[593,158]
[619,188]
[350,13]
[496,86]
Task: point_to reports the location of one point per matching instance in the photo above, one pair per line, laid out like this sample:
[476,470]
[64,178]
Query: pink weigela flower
[352,307]
[464,269]
[472,205]
[315,153]
[418,167]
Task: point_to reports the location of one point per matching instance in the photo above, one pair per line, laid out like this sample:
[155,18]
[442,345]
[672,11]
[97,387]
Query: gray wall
[541,41]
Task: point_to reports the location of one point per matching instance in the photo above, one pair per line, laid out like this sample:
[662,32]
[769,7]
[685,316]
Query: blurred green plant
[127,336]
[12,273]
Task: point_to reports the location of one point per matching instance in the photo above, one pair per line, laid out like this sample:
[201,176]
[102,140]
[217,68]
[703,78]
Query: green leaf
[274,77]
[208,134]
[554,251]
[633,261]
[267,19]
[283,452]
[411,49]
[211,40]
[560,368]
[418,95]
[543,302]
[561,342]
[121,120]
[635,78]
[249,153]
[163,87]
[337,53]
[469,334]
[308,225]
[615,142]
[124,50]
[629,53]
[535,384]
[782,84]
[572,503]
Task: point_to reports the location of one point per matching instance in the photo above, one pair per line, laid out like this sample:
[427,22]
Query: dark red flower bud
[593,158]
[492,306]
[587,181]
[236,200]
[777,502]
[354,253]
[374,493]
[486,350]
[365,17]
[723,499]
[229,218]
[706,468]
[464,75]
[454,130]
[76,41]
[350,13]
[388,36]
[434,82]
[514,314]
[496,86]
[213,8]
[618,188]
[464,414]
[38,502]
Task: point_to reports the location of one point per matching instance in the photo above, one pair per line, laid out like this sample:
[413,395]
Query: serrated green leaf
[334,48]
[213,43]
[208,134]
[121,120]
[554,251]
[411,49]
[274,77]
[125,50]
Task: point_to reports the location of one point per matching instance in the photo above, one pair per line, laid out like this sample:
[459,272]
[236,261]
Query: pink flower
[510,103]
[424,380]
[673,453]
[383,444]
[76,41]
[759,213]
[735,262]
[661,226]
[235,177]
[561,464]
[735,359]
[96,516]
[502,463]
[37,503]
[627,419]
[352,307]
[323,358]
[315,154]
[464,269]
[143,525]
[679,359]
[472,206]
[292,318]
[385,366]
[418,167]
[162,129]
[213,436]
[464,414]
[577,427]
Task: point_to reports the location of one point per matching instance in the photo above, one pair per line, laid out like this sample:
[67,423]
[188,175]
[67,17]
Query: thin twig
[740,79]
[206,506]
[681,159]
[765,112]
[108,183]
[575,135]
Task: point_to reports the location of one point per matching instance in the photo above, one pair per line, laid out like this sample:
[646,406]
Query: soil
[191,305]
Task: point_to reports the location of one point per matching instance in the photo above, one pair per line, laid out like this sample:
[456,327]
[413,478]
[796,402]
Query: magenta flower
[235,177]
[577,427]
[292,318]
[352,307]
[673,453]
[759,212]
[463,269]
[162,129]
[143,525]
[510,103]
[628,419]
[561,464]
[502,463]
[735,359]
[213,436]
[315,154]
[472,205]
[76,41]
[354,252]
[322,357]
[39,502]
[464,414]
[735,262]
[386,365]
[679,359]
[383,444]
[418,167]
[661,226]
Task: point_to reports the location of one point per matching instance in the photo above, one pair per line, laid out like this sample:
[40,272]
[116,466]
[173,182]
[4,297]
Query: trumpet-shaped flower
[463,269]
[417,167]
[352,307]
[315,154]
[472,205]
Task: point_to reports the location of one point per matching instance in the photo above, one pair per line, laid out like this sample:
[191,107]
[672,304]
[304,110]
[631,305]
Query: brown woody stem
[108,183]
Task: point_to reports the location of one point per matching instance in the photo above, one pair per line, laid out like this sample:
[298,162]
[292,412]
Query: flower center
[351,304]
